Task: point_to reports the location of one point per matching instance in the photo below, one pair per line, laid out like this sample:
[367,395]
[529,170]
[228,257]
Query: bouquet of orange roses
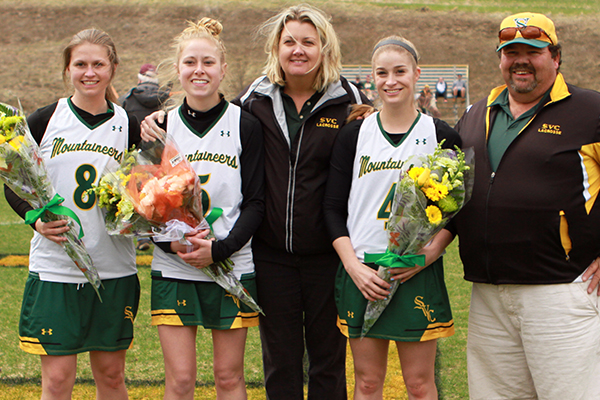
[159,193]
[120,216]
[23,170]
[428,194]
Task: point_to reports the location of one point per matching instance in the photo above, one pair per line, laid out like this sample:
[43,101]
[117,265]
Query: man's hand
[593,271]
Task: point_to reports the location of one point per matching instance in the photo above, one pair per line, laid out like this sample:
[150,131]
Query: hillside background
[34,33]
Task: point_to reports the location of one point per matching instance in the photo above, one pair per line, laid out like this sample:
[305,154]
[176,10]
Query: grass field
[573,7]
[20,372]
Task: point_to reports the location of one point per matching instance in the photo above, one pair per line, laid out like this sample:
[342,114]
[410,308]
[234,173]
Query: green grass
[554,7]
[486,6]
[451,363]
[144,364]
[14,234]
[20,372]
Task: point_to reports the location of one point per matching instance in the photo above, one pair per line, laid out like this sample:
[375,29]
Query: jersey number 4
[386,206]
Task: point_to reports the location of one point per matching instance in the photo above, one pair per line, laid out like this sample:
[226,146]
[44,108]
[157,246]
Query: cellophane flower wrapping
[157,184]
[23,170]
[430,191]
[161,185]
[120,215]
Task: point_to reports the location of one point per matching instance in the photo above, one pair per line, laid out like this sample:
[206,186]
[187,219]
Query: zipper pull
[492,177]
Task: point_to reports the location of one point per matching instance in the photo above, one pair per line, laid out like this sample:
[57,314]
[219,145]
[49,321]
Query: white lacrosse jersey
[76,155]
[215,156]
[376,170]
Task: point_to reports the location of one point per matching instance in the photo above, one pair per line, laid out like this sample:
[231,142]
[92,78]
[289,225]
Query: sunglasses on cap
[527,32]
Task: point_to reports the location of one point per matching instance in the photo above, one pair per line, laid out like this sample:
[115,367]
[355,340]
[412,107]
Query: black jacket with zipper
[536,219]
[296,173]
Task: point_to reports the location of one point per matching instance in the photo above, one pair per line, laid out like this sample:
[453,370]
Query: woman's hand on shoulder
[53,230]
[150,131]
[360,111]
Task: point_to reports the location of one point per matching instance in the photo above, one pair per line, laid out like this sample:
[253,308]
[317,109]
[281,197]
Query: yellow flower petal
[414,173]
[424,177]
[435,191]
[16,142]
[433,214]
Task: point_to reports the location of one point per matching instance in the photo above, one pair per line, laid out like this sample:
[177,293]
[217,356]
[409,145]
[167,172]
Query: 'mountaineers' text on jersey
[76,155]
[376,170]
[215,156]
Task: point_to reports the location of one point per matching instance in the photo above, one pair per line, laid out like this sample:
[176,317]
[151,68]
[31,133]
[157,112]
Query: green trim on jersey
[386,135]
[83,121]
[195,132]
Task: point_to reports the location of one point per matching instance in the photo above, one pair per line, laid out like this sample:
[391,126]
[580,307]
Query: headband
[397,43]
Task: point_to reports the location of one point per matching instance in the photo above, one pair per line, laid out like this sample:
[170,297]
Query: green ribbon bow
[54,206]
[393,260]
[214,214]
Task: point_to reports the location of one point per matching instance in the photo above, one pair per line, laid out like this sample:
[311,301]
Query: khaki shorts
[534,341]
[418,311]
[188,303]
[68,318]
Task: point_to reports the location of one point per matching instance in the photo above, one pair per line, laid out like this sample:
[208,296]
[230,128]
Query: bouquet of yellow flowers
[428,194]
[156,192]
[23,170]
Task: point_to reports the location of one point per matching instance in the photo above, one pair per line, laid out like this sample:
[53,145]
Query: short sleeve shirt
[506,128]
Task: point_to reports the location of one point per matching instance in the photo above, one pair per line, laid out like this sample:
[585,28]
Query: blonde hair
[399,44]
[331,56]
[207,28]
[92,36]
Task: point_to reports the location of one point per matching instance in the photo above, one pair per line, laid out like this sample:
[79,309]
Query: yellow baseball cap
[532,29]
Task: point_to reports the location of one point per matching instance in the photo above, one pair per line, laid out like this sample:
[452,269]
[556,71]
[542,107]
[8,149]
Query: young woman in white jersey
[356,213]
[301,102]
[61,315]
[209,130]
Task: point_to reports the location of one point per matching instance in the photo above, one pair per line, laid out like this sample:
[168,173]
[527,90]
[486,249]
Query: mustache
[522,68]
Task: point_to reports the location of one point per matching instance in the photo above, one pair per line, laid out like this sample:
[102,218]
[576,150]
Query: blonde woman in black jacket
[302,102]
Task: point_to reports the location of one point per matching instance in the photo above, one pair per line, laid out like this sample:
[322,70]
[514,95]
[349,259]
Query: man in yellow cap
[530,235]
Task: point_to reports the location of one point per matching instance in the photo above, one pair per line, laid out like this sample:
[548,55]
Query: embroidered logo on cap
[520,22]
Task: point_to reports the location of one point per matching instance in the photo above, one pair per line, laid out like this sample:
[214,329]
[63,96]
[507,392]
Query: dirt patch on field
[33,37]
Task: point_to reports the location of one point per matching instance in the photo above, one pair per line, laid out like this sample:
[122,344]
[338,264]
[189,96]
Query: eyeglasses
[528,32]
